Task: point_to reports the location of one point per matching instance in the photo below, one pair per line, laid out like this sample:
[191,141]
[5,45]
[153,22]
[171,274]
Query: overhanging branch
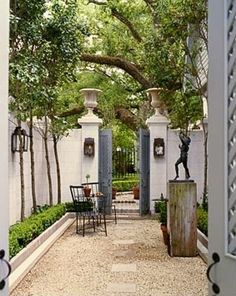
[127,23]
[118,62]
[74,111]
[127,117]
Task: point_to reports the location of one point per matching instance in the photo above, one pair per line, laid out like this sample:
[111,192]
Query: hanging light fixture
[89,146]
[15,140]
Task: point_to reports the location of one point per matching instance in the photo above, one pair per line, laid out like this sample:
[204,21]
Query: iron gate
[105,166]
[124,162]
[144,155]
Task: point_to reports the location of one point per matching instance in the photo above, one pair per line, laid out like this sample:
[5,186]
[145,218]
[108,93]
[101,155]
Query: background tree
[44,53]
[25,71]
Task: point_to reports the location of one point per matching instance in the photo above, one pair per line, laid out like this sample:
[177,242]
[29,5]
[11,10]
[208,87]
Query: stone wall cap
[157,120]
[90,119]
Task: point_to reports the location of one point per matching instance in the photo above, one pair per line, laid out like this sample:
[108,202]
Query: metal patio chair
[85,210]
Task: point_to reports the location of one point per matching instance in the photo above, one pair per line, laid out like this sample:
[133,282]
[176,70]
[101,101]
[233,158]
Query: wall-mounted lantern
[158,147]
[15,140]
[89,147]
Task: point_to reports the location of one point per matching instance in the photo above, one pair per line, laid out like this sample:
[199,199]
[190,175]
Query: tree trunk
[205,182]
[34,199]
[58,169]
[22,181]
[45,138]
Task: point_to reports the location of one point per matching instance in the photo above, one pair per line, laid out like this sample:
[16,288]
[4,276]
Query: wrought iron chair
[85,210]
[101,198]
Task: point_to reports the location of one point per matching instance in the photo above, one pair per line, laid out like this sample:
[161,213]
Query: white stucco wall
[74,165]
[163,169]
[69,150]
[195,158]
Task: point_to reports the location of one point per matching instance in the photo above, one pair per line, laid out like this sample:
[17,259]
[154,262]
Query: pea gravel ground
[81,266]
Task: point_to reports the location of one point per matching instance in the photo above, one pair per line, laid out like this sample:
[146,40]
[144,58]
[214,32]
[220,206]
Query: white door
[4,37]
[222,147]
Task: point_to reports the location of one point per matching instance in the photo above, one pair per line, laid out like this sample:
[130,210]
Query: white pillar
[4,197]
[90,129]
[158,126]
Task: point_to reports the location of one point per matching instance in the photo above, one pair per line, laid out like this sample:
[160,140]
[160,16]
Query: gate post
[158,126]
[90,137]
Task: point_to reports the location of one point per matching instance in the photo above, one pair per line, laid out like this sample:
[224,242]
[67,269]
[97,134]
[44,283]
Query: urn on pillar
[90,95]
[156,103]
[89,135]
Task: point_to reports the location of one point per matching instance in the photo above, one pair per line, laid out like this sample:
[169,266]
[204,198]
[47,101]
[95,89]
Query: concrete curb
[202,245]
[26,259]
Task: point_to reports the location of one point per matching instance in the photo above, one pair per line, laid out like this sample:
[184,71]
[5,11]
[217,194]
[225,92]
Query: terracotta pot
[166,236]
[87,191]
[136,192]
[114,193]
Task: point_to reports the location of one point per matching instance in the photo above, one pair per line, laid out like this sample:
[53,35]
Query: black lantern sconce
[15,140]
[89,146]
[158,147]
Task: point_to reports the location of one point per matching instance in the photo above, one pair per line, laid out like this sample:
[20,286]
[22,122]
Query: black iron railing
[124,162]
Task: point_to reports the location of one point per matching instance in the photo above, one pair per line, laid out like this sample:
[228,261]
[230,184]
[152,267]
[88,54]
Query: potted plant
[163,221]
[87,189]
[136,191]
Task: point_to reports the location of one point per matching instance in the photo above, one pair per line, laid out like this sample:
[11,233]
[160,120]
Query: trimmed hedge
[22,233]
[202,220]
[162,207]
[81,206]
[157,206]
[125,185]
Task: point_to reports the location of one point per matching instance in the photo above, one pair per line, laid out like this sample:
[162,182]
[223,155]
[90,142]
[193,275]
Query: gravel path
[132,259]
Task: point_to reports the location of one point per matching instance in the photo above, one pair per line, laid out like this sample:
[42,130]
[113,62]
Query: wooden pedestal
[182,219]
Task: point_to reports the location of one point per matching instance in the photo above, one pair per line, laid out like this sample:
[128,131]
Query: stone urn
[90,95]
[156,103]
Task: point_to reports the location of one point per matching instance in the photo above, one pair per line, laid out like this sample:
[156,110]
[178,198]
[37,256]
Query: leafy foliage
[202,220]
[124,185]
[23,233]
[162,212]
[154,36]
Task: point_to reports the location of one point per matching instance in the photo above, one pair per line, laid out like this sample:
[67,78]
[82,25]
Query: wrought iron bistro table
[100,199]
[86,211]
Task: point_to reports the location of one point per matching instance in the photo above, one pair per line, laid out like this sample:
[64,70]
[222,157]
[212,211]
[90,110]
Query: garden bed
[202,245]
[25,260]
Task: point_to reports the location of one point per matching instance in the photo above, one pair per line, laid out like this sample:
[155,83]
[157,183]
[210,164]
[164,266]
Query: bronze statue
[185,140]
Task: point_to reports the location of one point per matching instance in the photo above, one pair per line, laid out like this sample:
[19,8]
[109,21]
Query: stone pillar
[182,218]
[90,129]
[158,126]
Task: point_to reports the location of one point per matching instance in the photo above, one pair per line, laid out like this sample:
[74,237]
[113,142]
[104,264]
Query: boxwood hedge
[202,220]
[22,233]
[125,185]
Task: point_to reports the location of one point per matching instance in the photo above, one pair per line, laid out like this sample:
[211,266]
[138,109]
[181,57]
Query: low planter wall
[202,245]
[25,260]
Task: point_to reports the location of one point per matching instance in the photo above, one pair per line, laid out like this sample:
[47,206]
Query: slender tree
[45,43]
[32,162]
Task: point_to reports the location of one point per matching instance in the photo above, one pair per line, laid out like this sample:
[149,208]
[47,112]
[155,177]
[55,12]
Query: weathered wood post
[182,218]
